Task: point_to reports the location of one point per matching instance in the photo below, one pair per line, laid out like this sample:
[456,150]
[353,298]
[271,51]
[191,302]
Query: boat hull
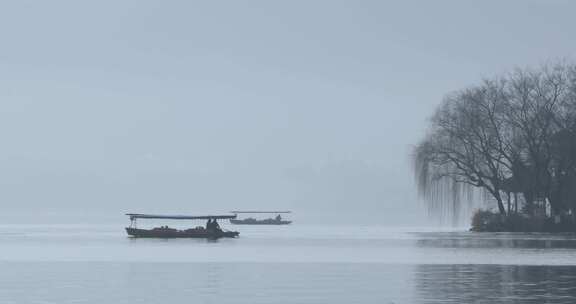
[173,233]
[259,222]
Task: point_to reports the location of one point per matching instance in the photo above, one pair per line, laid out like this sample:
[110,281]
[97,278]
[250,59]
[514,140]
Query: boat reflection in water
[253,221]
[212,229]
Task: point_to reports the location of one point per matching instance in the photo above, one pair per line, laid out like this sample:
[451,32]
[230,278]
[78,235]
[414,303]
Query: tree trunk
[498,198]
[515,202]
[501,206]
[508,196]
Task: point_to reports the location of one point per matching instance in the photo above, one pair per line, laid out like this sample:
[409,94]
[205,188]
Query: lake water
[288,264]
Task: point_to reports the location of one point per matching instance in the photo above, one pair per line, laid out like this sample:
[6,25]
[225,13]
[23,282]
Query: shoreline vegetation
[488,221]
[507,144]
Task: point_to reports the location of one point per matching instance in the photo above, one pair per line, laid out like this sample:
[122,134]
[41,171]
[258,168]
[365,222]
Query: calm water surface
[293,264]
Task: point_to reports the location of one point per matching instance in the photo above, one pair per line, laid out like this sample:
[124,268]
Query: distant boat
[253,221]
[211,231]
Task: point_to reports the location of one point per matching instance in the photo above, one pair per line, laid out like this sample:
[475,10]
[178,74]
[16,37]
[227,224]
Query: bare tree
[541,111]
[507,136]
[467,144]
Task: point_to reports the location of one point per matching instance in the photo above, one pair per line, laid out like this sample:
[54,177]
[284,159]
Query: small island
[510,142]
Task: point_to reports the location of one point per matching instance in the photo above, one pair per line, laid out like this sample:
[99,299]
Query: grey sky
[182,106]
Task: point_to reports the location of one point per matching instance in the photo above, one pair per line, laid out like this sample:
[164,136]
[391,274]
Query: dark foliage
[513,140]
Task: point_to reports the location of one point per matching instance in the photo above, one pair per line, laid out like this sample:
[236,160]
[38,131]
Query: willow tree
[466,148]
[509,135]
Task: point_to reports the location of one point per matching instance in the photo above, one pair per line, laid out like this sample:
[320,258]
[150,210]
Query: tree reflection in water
[495,240]
[495,284]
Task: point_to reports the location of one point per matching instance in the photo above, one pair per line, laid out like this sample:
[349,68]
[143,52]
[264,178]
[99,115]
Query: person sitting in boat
[216,226]
[212,225]
[278,218]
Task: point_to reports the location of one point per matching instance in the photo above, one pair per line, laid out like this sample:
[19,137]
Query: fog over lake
[184,106]
[190,107]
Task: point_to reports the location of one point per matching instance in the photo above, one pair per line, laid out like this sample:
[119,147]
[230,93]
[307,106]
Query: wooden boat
[211,231]
[253,221]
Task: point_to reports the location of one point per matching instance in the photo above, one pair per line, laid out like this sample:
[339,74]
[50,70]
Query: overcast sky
[189,106]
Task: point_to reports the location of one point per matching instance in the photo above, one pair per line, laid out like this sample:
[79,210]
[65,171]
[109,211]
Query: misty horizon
[149,108]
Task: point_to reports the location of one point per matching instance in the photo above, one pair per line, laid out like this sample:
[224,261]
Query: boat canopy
[134,216]
[236,212]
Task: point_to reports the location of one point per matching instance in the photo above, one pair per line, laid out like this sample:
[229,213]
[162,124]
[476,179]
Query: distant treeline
[511,137]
